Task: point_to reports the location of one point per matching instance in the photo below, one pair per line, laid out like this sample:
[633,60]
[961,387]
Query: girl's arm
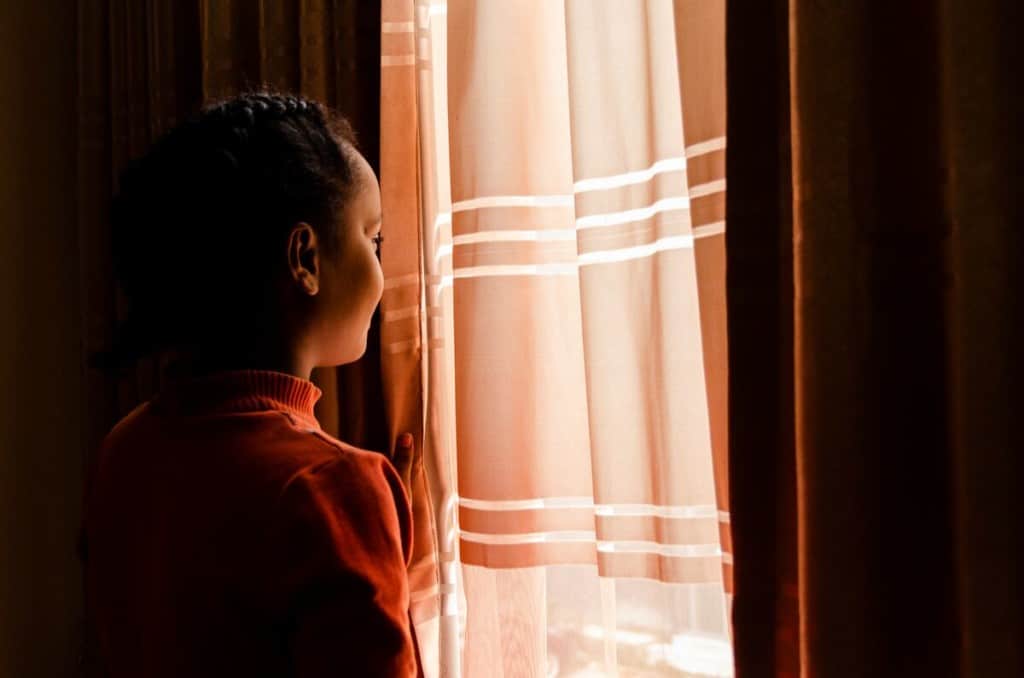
[336,570]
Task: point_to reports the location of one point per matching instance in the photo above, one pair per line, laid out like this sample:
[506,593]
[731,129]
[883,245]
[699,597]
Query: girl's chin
[347,354]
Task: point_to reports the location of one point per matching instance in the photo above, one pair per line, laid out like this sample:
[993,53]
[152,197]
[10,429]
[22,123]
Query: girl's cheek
[378,277]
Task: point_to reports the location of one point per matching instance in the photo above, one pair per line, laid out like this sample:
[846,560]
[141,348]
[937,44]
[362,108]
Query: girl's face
[351,280]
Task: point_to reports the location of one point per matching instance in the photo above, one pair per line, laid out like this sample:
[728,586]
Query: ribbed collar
[243,391]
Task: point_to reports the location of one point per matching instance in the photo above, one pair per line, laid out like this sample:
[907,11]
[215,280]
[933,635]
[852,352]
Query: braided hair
[201,220]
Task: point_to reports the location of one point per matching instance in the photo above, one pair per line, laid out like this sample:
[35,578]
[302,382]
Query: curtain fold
[873,294]
[759,247]
[415,313]
[985,151]
[554,185]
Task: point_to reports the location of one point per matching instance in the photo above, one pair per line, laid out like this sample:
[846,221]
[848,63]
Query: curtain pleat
[985,151]
[762,462]
[700,46]
[554,250]
[414,325]
[873,295]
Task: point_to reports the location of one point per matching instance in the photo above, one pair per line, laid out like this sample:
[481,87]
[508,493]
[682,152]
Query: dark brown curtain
[143,66]
[874,251]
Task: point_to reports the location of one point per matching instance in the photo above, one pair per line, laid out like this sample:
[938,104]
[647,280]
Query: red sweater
[227,535]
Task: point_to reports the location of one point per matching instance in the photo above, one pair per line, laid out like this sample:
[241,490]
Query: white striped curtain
[554,328]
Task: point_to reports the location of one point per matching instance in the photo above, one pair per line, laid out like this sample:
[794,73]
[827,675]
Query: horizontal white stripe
[432,592]
[447,561]
[442,251]
[441,220]
[450,500]
[401,60]
[551,200]
[724,517]
[711,187]
[706,230]
[427,562]
[582,502]
[423,594]
[397,27]
[603,546]
[444,282]
[637,214]
[705,147]
[553,537]
[675,242]
[590,220]
[449,613]
[675,550]
[629,178]
[401,281]
[401,346]
[499,270]
[525,504]
[400,313]
[632,510]
[544,235]
[450,571]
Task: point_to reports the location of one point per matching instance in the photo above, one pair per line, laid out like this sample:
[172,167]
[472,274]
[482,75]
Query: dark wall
[40,364]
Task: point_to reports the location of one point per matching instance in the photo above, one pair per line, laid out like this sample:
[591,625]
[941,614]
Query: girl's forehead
[363,172]
[363,203]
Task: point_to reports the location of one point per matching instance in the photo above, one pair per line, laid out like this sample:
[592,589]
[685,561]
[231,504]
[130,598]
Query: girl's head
[252,226]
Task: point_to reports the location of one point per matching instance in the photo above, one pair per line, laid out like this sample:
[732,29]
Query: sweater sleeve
[336,570]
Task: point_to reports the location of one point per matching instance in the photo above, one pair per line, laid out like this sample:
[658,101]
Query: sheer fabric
[554,311]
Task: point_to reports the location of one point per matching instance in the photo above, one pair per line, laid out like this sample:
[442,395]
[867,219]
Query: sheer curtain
[553,330]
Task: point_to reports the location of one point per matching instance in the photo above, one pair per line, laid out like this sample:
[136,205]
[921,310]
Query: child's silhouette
[227,534]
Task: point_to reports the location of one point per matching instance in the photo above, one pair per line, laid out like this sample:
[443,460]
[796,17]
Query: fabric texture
[554,196]
[874,296]
[226,534]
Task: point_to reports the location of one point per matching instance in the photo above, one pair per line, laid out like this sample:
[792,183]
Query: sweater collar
[244,391]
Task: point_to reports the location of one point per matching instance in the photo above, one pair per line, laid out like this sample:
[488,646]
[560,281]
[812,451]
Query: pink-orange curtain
[415,357]
[553,179]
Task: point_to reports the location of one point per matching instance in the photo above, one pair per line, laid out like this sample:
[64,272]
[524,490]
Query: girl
[227,534]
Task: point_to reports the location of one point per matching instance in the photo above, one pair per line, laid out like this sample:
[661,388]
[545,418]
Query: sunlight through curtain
[553,328]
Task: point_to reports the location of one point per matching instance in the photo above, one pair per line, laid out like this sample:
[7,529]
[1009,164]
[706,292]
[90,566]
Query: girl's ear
[304,258]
